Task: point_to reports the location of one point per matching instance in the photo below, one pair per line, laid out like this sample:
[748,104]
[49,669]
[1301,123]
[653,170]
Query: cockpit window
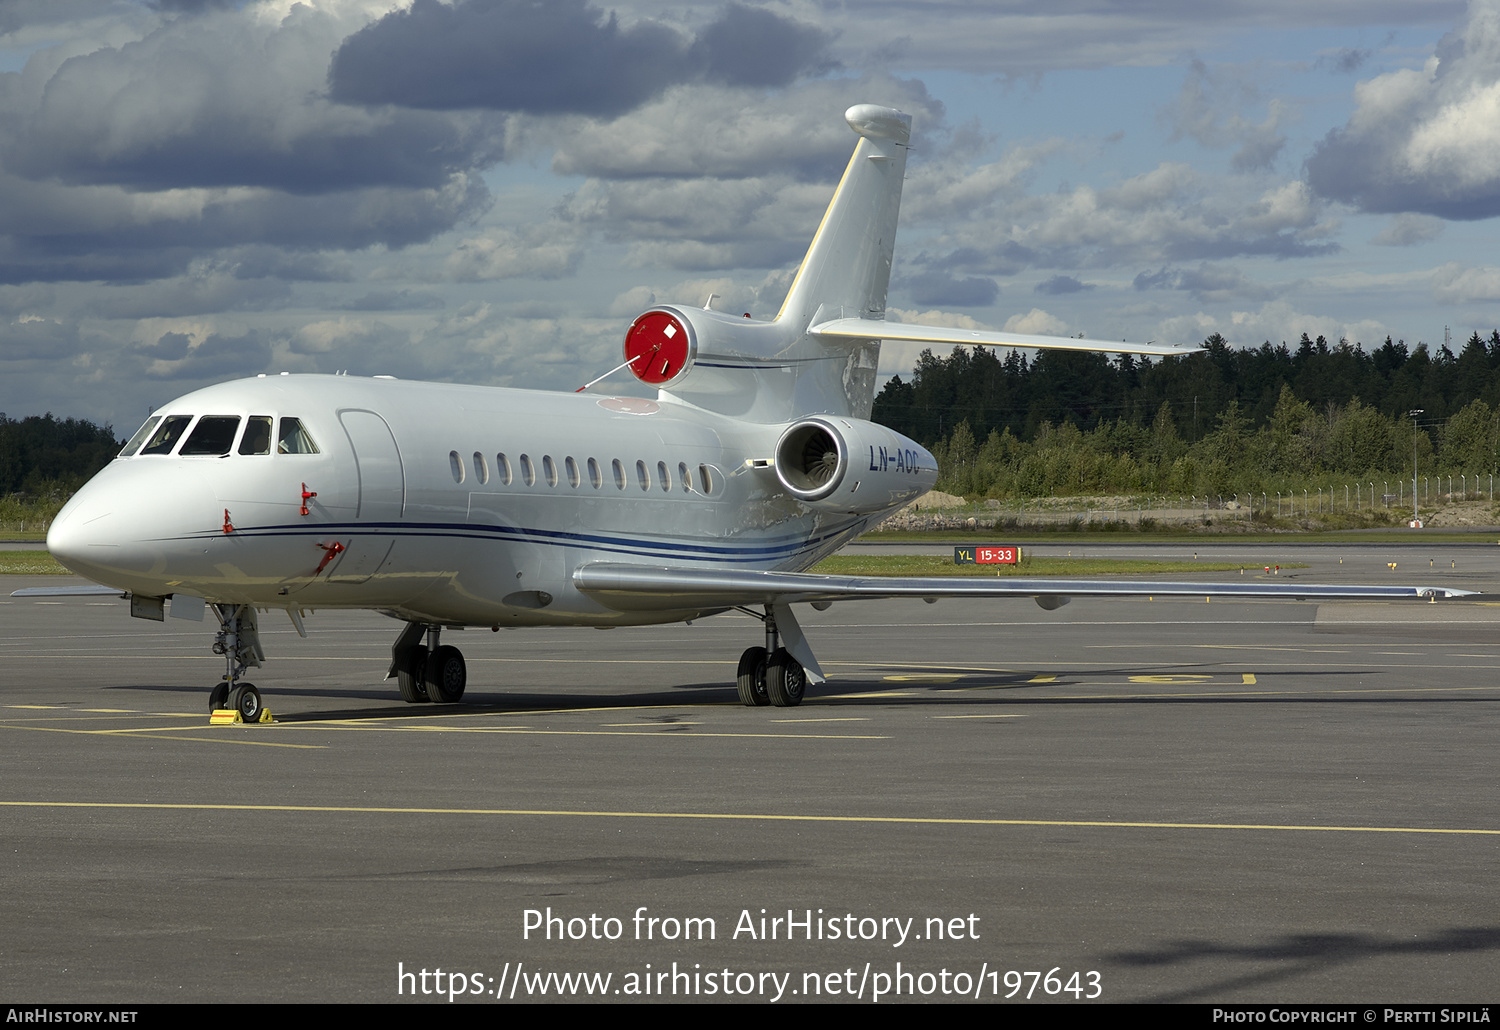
[212,435]
[294,439]
[140,436]
[257,439]
[167,434]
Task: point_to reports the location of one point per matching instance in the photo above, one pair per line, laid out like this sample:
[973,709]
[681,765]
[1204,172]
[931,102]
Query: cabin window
[664,477]
[257,438]
[528,473]
[549,467]
[619,470]
[481,468]
[294,439]
[643,475]
[167,434]
[502,466]
[213,435]
[572,467]
[596,478]
[140,436]
[685,477]
[706,478]
[456,466]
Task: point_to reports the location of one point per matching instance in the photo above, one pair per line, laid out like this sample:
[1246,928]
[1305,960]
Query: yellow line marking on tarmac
[986,715]
[1167,696]
[804,722]
[663,732]
[1248,678]
[857,697]
[886,820]
[1232,647]
[1042,679]
[636,725]
[149,734]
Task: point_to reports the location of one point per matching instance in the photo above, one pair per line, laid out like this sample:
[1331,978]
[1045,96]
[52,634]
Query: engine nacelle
[850,466]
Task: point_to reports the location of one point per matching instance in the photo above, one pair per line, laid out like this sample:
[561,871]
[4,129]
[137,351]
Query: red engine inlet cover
[658,347]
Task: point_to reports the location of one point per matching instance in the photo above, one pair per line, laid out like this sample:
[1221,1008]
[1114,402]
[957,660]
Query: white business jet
[448,506]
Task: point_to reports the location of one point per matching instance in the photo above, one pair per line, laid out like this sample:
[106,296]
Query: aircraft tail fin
[847,269]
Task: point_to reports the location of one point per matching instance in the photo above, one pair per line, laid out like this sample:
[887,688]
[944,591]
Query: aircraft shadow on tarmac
[939,686]
[1299,955]
[584,871]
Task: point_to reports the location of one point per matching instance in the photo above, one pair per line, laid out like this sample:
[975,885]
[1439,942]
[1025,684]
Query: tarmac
[1123,800]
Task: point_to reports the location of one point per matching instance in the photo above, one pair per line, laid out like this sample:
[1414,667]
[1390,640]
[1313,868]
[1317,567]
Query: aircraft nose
[80,530]
[131,524]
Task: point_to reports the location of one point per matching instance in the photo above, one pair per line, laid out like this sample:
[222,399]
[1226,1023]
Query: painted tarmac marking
[804,722]
[986,715]
[151,734]
[880,820]
[665,731]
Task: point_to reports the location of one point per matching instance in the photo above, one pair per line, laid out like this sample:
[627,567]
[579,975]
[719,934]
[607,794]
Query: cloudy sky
[488,191]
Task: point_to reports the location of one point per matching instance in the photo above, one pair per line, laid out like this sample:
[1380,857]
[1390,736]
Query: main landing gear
[239,642]
[430,671]
[770,675]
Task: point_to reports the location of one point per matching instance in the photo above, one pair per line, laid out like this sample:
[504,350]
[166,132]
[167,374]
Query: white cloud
[1455,284]
[1037,323]
[1424,141]
[1406,229]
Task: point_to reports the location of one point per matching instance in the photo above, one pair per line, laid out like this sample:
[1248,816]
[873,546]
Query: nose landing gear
[238,641]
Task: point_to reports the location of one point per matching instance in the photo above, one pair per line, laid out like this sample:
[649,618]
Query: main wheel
[245,699]
[218,697]
[785,679]
[446,675]
[411,668]
[752,678]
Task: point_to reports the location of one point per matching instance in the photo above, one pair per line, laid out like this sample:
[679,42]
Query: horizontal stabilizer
[636,588]
[875,329]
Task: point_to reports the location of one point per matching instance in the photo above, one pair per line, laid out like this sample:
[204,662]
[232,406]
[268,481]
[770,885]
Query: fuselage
[449,504]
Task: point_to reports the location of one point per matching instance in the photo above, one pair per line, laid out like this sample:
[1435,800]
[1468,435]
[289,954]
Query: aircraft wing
[638,588]
[875,329]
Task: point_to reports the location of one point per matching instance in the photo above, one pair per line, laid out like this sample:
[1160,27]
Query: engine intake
[851,466]
[811,459]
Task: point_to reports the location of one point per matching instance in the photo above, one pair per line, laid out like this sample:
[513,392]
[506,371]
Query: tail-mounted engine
[851,466]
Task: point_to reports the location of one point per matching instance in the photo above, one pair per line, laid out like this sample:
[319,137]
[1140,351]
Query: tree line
[42,456]
[1217,422]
